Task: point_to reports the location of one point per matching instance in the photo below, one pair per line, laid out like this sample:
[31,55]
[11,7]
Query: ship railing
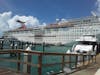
[44,60]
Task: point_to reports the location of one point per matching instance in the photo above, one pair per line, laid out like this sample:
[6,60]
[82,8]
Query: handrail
[37,52]
[39,65]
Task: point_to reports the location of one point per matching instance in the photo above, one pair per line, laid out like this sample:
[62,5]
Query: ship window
[56,29]
[28,31]
[48,30]
[25,31]
[87,21]
[32,32]
[60,29]
[64,29]
[17,32]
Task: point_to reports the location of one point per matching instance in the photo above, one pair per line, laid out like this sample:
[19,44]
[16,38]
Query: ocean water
[46,59]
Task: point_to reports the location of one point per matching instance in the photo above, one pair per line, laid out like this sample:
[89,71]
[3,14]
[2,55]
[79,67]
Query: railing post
[95,58]
[18,63]
[40,64]
[88,59]
[76,61]
[83,59]
[70,61]
[92,58]
[29,66]
[63,62]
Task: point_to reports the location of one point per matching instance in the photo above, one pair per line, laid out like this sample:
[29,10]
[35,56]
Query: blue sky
[48,10]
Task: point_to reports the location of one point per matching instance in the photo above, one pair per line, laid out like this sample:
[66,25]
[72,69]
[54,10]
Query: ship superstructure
[62,32]
[69,31]
[25,34]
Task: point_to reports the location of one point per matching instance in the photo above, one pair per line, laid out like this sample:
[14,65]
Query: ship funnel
[22,24]
[20,21]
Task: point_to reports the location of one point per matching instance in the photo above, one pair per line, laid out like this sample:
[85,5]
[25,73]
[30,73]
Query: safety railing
[41,61]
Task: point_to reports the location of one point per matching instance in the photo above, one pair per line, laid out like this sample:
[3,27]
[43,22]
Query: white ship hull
[59,36]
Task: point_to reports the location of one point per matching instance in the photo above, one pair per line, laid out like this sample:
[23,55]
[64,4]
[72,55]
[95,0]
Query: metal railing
[71,60]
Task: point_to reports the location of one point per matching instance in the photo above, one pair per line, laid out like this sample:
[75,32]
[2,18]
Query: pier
[90,69]
[42,60]
[4,71]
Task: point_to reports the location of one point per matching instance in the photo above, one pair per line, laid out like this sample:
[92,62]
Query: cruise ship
[61,32]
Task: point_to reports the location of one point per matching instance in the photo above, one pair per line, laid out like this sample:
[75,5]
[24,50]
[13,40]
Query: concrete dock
[5,71]
[90,70]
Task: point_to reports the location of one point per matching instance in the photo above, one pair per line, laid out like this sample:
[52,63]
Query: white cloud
[97,7]
[4,17]
[7,21]
[30,21]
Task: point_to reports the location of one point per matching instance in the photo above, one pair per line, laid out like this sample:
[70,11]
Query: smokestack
[22,24]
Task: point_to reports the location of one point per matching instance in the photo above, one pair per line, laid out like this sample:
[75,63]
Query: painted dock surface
[90,70]
[5,71]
